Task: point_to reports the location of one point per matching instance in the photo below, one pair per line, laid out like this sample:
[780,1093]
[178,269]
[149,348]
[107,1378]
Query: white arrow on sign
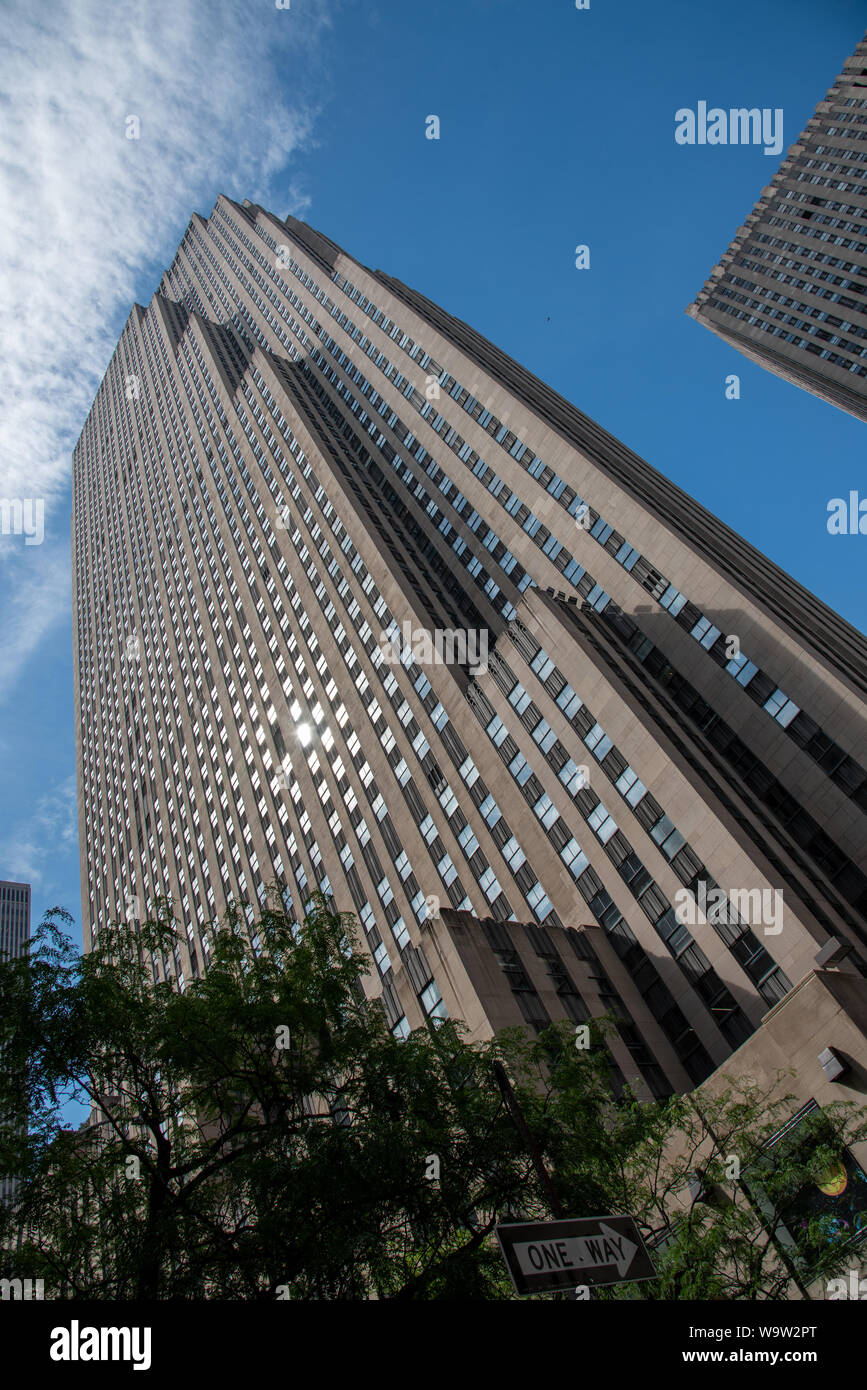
[577,1252]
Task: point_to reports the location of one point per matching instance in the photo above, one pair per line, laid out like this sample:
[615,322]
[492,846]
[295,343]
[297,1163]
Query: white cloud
[29,853]
[84,211]
[298,201]
[36,598]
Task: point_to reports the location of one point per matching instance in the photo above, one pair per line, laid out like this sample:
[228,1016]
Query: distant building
[14,918]
[14,936]
[791,290]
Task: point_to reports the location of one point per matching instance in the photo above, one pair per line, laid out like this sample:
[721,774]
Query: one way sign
[594,1250]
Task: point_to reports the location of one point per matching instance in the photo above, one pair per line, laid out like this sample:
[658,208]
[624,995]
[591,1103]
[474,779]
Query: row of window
[750,954]
[780,706]
[791,826]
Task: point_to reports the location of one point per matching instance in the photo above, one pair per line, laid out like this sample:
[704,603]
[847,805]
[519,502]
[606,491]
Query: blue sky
[557,129]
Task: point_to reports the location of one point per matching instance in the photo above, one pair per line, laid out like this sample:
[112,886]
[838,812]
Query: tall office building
[14,936]
[791,290]
[362,605]
[14,917]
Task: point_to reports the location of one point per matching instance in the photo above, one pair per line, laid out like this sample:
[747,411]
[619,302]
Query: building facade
[14,917]
[791,290]
[809,1051]
[363,606]
[497,974]
[14,936]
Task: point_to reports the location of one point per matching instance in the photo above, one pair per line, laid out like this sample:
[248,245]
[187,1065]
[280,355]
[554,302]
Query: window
[432,1001]
[747,670]
[574,858]
[513,854]
[519,698]
[546,811]
[469,772]
[539,901]
[520,769]
[603,824]
[544,735]
[568,701]
[497,731]
[781,708]
[572,776]
[468,842]
[598,741]
[705,632]
[489,885]
[447,871]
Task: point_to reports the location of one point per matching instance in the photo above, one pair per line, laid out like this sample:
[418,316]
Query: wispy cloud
[29,852]
[298,201]
[84,210]
[33,603]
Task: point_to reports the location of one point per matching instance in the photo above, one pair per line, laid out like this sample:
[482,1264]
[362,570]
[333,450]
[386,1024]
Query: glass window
[746,673]
[432,1001]
[489,885]
[546,811]
[602,823]
[497,731]
[520,769]
[513,854]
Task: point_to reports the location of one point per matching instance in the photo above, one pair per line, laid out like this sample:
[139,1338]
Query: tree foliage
[261,1134]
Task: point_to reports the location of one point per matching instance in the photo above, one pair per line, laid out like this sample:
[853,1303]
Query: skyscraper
[791,290]
[14,935]
[362,605]
[14,917]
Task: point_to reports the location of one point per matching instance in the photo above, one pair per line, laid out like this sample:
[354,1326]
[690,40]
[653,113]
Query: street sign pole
[532,1148]
[566,1254]
[527,1139]
[542,1256]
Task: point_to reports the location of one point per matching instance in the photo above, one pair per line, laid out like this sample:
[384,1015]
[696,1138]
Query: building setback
[300,484]
[14,936]
[791,290]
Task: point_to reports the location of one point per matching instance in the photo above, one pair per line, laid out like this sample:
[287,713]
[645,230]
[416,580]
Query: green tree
[724,1209]
[261,1134]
